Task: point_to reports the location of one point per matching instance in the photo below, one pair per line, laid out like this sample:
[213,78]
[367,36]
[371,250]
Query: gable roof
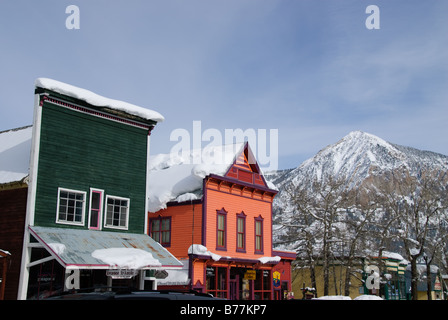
[15,150]
[178,177]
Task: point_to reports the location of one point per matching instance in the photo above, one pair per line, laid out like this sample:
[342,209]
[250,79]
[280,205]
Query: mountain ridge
[358,156]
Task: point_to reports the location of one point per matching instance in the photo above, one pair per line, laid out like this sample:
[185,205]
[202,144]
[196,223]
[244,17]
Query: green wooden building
[87,192]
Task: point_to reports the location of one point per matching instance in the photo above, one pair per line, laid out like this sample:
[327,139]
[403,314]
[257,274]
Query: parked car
[133,295]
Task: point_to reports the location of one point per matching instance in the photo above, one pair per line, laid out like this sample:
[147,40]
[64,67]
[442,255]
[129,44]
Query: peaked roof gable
[245,168]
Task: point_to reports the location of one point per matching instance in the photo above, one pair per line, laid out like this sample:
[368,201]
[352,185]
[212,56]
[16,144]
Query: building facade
[219,224]
[85,209]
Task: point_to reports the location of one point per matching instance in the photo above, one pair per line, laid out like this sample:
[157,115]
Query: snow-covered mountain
[358,160]
[360,157]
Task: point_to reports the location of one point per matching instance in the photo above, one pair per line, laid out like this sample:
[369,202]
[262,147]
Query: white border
[74,223]
[127,213]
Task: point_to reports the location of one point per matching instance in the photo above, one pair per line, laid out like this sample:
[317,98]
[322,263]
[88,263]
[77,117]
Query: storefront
[242,280]
[236,283]
[68,259]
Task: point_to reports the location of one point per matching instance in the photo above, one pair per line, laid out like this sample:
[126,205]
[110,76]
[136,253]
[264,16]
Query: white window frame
[83,207]
[100,213]
[106,213]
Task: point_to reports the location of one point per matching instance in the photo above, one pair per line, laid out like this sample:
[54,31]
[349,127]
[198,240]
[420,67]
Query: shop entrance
[239,284]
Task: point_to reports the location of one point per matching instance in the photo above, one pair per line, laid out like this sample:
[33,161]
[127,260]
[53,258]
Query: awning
[91,249]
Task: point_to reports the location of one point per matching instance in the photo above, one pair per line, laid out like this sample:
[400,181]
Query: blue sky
[310,69]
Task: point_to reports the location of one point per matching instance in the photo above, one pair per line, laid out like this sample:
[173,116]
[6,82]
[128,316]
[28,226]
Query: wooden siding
[244,171]
[198,274]
[183,233]
[235,201]
[80,151]
[12,222]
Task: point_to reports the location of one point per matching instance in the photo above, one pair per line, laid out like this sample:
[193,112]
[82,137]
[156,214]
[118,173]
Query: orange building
[216,219]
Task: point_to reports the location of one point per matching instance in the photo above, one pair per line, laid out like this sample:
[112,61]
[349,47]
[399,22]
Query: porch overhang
[74,248]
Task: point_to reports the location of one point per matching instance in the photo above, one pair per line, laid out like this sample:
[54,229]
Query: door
[233,288]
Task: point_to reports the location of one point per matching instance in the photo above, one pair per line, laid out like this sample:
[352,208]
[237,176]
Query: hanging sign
[160,274]
[121,273]
[250,275]
[276,278]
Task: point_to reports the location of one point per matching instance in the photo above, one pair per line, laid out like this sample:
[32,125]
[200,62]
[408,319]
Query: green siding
[80,151]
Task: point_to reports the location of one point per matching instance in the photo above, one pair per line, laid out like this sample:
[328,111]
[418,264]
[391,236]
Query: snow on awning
[89,249]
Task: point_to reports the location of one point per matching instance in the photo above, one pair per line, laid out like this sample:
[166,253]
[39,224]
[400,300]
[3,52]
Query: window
[221,229]
[259,235]
[117,212]
[216,281]
[262,285]
[96,208]
[241,232]
[71,207]
[160,230]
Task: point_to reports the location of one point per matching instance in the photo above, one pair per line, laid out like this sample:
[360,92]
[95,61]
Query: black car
[133,295]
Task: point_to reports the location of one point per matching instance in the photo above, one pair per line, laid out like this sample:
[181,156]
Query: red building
[216,218]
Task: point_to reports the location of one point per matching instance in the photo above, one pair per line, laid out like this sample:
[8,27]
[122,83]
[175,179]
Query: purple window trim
[260,220]
[222,213]
[160,218]
[242,216]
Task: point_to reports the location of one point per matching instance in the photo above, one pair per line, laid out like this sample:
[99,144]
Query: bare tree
[416,209]
[313,219]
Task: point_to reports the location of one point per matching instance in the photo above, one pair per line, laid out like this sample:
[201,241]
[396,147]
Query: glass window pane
[155,225]
[220,222]
[96,196]
[165,224]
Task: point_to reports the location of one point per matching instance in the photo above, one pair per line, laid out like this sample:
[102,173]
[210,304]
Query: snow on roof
[179,177]
[97,100]
[393,255]
[131,258]
[15,148]
[4,253]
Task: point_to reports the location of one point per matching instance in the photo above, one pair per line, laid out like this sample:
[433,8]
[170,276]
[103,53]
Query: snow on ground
[361,297]
[368,297]
[333,298]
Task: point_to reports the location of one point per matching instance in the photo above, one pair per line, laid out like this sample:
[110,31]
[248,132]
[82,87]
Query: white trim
[146,230]
[35,263]
[127,213]
[100,211]
[74,223]
[31,201]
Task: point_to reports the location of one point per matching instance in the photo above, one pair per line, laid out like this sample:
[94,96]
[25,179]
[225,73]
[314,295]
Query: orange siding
[234,203]
[198,273]
[182,233]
